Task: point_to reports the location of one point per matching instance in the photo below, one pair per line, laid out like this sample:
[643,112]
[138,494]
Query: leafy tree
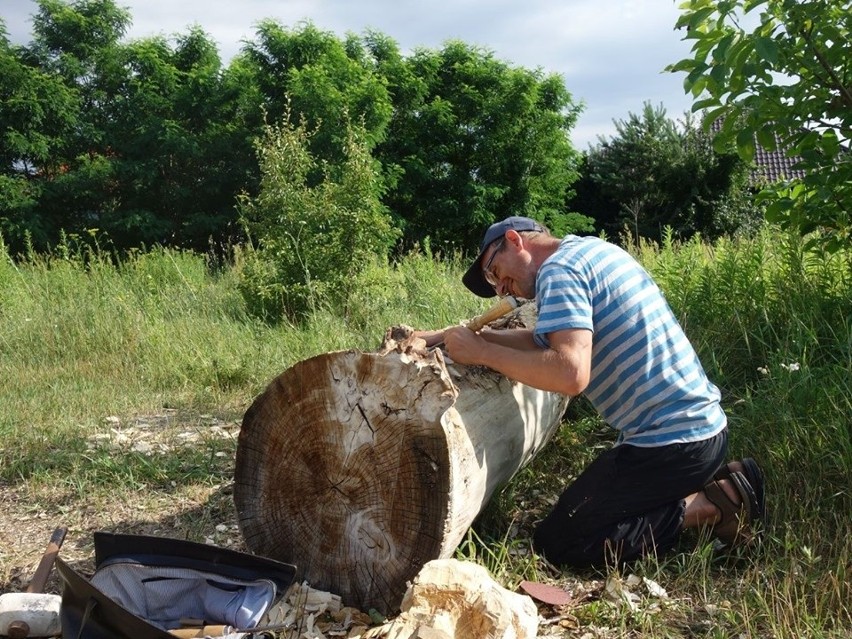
[319,78]
[781,67]
[634,170]
[154,147]
[180,154]
[313,237]
[472,140]
[72,46]
[37,112]
[79,41]
[655,174]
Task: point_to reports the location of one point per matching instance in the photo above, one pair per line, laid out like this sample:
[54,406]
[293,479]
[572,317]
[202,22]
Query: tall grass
[84,336]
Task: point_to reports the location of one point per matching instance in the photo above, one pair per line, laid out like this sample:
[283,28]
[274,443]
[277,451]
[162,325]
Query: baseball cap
[474,279]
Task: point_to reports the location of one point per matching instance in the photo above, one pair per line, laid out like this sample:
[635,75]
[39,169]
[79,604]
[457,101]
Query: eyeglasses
[490,276]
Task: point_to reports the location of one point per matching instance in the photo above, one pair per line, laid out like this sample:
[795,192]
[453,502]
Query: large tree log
[359,468]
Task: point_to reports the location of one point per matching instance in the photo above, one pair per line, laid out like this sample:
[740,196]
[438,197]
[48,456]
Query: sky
[611,53]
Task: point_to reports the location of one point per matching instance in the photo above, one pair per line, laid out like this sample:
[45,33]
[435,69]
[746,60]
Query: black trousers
[628,503]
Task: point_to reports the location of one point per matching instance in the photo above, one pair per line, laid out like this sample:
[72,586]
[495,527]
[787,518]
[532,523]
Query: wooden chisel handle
[220,630]
[505,305]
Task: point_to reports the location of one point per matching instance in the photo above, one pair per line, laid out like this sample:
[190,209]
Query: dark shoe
[751,471]
[735,526]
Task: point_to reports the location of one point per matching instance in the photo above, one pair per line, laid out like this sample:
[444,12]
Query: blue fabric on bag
[164,595]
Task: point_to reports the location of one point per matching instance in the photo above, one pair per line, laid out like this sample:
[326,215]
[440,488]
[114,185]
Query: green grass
[84,337]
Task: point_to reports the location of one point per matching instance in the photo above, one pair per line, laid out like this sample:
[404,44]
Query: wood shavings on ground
[633,593]
[316,614]
[162,433]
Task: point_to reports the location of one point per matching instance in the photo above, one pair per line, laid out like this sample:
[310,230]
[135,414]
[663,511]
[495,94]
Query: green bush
[420,289]
[316,226]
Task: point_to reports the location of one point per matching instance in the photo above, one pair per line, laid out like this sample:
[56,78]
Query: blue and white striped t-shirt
[646,380]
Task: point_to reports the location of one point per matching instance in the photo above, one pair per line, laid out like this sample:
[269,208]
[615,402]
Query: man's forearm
[518,338]
[544,369]
[562,368]
[515,338]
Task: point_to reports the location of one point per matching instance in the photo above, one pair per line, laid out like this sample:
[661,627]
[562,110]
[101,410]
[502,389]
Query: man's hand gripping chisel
[502,307]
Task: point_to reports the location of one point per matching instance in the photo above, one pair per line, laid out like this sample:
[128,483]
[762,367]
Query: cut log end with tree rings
[342,470]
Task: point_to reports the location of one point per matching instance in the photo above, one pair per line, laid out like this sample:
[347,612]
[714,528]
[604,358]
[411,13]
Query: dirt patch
[196,510]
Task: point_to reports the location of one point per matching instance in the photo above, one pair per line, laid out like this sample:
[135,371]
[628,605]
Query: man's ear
[514,238]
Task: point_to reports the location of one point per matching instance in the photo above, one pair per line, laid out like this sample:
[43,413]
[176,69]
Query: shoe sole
[752,473]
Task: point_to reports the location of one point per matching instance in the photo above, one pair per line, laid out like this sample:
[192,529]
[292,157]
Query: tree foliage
[37,112]
[473,140]
[781,67]
[653,174]
[151,141]
[145,141]
[313,73]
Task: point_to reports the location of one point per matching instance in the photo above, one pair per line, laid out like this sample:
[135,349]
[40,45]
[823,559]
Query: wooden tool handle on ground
[505,305]
[39,580]
[202,631]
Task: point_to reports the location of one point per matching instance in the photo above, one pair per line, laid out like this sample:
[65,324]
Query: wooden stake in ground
[359,468]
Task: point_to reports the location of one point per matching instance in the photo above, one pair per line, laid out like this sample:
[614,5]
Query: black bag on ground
[144,586]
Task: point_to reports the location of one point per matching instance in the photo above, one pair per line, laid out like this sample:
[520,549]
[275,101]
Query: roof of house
[769,166]
[775,165]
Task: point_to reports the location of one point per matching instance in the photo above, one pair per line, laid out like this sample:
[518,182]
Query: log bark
[359,468]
